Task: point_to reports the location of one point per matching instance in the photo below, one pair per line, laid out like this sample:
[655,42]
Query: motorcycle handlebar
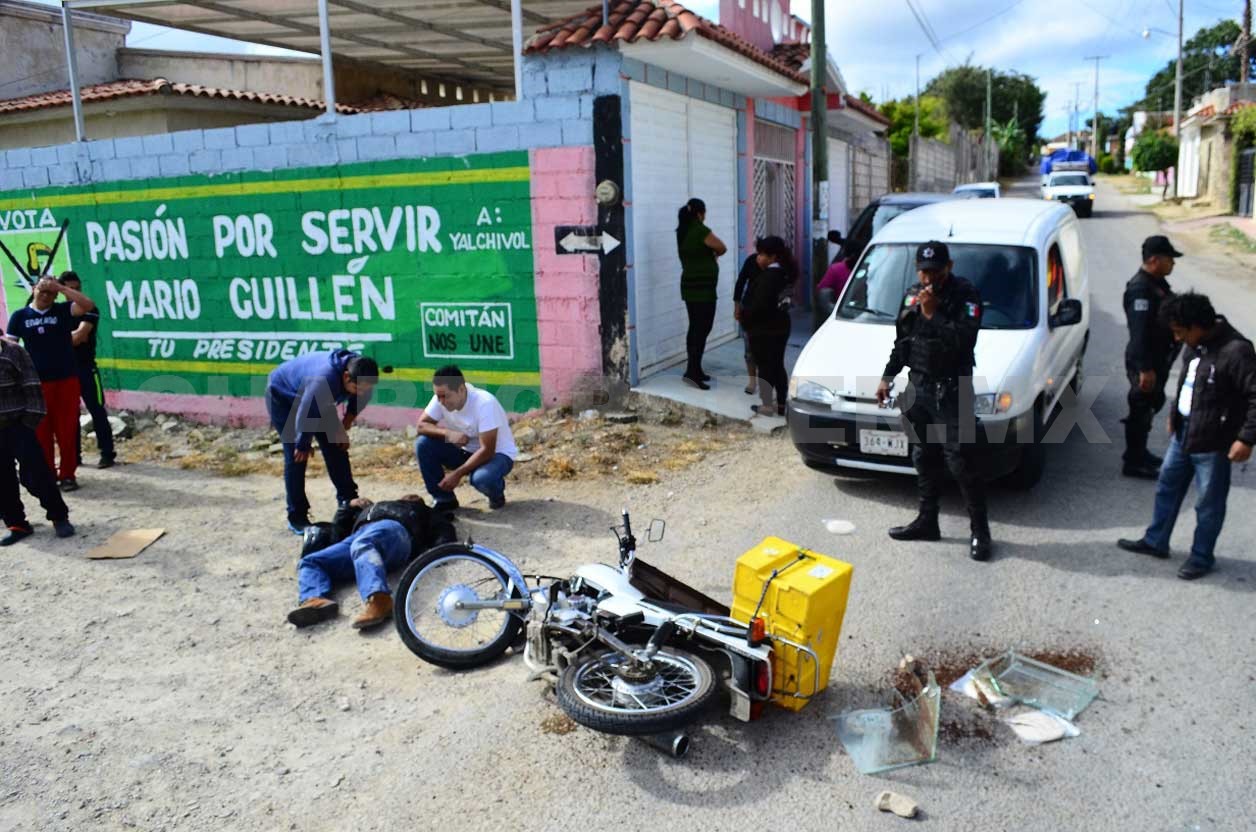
[627,524]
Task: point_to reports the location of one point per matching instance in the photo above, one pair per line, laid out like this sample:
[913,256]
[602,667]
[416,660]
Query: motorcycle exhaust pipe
[675,744]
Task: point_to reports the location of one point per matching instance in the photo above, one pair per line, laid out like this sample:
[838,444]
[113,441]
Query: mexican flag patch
[974,310]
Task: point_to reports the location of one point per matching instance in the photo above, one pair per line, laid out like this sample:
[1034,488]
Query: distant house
[1205,150]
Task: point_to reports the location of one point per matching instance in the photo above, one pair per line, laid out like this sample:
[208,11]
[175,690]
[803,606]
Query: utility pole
[915,135]
[989,118]
[1247,39]
[1077,98]
[1094,126]
[1177,98]
[819,157]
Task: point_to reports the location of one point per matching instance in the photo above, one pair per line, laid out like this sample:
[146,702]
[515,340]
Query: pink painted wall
[568,315]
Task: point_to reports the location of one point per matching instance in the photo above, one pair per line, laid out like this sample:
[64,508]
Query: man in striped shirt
[21,409]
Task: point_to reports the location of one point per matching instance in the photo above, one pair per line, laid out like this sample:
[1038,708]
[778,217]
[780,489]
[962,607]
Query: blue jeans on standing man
[336,460]
[436,456]
[366,555]
[1211,473]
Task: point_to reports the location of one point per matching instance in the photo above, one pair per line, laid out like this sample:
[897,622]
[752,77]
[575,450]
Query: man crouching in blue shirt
[301,397]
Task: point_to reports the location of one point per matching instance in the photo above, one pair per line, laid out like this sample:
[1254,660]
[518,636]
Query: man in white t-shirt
[464,433]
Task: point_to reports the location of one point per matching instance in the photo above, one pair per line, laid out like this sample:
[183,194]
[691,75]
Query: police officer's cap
[932,255]
[1159,244]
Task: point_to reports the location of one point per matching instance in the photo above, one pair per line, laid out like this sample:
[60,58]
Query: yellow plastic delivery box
[801,596]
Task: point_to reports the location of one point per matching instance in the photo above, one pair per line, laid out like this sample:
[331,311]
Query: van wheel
[1033,461]
[1079,377]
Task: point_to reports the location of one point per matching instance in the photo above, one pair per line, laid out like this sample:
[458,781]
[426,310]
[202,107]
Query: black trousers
[940,445]
[768,352]
[701,320]
[1143,408]
[93,393]
[18,446]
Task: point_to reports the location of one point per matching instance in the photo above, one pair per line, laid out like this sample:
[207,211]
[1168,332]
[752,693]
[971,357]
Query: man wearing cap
[936,337]
[1149,354]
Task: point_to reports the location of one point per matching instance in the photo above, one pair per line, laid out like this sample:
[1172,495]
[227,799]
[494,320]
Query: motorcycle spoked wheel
[438,633]
[601,693]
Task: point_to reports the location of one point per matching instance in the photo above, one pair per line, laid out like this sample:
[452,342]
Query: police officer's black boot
[924,527]
[980,547]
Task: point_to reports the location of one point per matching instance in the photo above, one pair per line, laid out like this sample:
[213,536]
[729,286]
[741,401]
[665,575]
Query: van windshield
[1006,277]
[1069,180]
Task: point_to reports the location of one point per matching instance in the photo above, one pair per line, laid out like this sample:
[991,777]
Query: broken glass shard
[1038,684]
[883,739]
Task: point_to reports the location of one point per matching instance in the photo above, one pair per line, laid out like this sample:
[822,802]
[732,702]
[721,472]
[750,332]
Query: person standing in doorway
[699,251]
[301,398]
[766,318]
[46,329]
[1211,427]
[1149,354]
[90,388]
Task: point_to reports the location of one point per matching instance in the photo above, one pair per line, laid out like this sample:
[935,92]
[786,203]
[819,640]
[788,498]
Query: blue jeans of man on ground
[436,456]
[366,555]
[1211,474]
[336,459]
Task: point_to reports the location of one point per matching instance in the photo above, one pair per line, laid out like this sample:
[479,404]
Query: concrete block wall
[554,122]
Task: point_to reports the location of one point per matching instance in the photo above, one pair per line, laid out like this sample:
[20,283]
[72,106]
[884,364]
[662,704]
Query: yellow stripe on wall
[253,368]
[275,186]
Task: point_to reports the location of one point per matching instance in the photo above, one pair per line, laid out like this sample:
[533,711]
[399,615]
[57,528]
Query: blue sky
[875,43]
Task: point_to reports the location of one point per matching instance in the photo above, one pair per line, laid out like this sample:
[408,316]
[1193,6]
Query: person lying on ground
[368,540]
[21,409]
[464,433]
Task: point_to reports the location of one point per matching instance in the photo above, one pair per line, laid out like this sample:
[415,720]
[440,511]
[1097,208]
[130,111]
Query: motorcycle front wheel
[429,620]
[605,693]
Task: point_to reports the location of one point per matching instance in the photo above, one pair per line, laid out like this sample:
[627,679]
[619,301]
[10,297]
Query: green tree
[1155,151]
[1010,138]
[902,116]
[1209,60]
[1013,96]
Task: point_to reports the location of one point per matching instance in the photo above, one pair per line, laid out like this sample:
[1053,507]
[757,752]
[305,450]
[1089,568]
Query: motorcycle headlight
[809,391]
[988,404]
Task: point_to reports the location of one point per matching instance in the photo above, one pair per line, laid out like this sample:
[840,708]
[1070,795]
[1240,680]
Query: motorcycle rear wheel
[594,695]
[437,632]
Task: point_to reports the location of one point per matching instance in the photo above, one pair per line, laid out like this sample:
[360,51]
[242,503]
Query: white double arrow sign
[580,242]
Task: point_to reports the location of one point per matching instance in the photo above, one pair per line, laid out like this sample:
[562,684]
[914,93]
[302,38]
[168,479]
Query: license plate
[883,442]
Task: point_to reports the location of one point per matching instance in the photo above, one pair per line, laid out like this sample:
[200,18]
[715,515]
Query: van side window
[1056,288]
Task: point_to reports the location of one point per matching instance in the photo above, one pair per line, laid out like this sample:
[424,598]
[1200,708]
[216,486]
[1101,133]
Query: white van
[1025,257]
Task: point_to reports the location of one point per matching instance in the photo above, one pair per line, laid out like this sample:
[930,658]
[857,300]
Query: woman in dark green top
[699,275]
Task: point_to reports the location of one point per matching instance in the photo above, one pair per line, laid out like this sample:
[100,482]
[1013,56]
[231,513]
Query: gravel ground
[167,692]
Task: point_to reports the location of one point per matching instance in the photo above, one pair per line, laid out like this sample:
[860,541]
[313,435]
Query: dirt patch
[949,664]
[558,725]
[553,446]
[971,728]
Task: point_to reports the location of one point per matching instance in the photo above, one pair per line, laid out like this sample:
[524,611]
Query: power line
[982,23]
[924,27]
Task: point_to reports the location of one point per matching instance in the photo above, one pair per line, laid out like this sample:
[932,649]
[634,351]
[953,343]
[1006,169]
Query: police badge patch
[1142,305]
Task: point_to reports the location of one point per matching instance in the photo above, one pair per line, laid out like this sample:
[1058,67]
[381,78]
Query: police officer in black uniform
[1149,355]
[936,336]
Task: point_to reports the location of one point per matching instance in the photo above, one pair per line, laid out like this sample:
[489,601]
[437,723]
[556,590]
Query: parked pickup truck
[1072,187]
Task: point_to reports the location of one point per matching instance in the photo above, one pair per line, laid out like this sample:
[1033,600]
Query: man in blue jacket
[301,397]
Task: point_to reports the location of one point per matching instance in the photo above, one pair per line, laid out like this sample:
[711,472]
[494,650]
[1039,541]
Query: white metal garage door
[839,189]
[680,148]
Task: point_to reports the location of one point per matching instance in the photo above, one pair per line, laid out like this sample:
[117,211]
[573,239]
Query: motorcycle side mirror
[656,530]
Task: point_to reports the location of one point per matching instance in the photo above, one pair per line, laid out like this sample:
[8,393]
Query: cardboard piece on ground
[126,544]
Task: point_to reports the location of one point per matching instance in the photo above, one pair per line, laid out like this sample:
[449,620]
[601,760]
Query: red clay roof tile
[157,86]
[631,21]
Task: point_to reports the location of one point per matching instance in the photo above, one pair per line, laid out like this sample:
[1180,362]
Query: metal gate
[1247,175]
[774,200]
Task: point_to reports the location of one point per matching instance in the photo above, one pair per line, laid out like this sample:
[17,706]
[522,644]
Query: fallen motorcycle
[628,649]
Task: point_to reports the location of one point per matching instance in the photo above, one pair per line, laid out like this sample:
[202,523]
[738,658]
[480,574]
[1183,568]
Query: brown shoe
[314,611]
[378,609]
